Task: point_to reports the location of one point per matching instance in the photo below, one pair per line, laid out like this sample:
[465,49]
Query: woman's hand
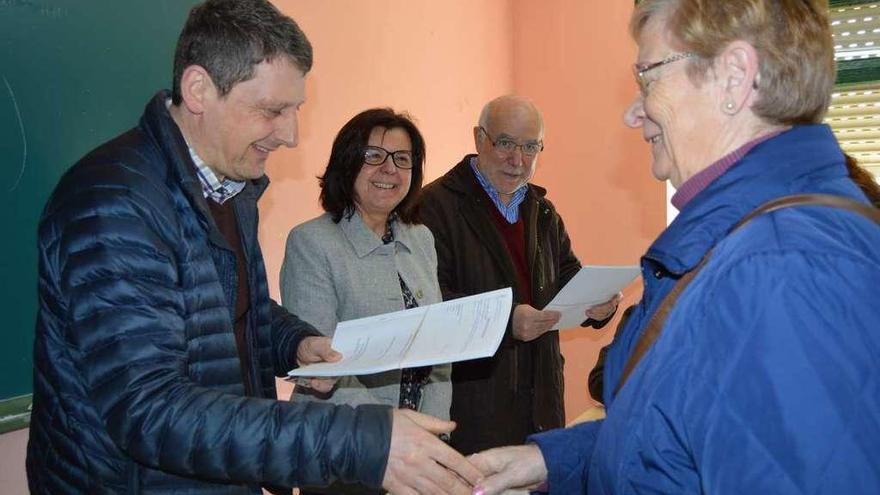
[506,468]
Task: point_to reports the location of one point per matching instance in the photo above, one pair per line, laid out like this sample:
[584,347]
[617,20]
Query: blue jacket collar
[181,172]
[774,168]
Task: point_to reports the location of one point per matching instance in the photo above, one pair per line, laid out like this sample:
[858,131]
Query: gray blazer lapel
[364,241]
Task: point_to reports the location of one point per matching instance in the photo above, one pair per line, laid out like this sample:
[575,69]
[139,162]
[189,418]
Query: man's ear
[477,138]
[196,88]
[737,70]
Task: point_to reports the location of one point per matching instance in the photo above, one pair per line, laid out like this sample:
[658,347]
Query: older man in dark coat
[494,229]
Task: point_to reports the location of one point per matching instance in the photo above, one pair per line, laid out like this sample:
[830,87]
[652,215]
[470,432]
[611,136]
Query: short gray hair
[230,37]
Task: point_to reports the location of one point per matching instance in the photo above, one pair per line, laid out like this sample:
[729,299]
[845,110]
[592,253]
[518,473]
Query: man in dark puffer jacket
[156,340]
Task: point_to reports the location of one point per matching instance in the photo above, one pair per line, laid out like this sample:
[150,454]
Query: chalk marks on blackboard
[23,136]
[43,10]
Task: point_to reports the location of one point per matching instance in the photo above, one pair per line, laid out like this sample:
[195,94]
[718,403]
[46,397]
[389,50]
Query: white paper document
[592,285]
[467,328]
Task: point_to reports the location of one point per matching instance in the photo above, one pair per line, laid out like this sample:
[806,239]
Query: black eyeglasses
[508,145]
[374,155]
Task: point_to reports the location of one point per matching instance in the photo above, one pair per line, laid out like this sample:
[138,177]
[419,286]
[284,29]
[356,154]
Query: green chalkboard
[73,73]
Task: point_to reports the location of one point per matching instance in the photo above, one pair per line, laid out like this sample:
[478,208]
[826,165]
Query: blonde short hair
[792,39]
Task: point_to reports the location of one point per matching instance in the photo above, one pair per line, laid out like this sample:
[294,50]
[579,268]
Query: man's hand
[530,323]
[602,311]
[509,467]
[316,350]
[420,463]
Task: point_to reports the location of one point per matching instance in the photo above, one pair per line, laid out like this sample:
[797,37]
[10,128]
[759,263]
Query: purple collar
[700,181]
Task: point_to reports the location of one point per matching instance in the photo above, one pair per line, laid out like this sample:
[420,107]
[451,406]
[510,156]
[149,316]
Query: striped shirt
[510,211]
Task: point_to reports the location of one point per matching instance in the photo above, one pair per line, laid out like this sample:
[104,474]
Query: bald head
[508,139]
[510,107]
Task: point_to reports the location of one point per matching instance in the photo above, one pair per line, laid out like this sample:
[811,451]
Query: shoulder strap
[658,320]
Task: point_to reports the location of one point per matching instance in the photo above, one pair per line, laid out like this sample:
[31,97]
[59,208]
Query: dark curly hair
[347,158]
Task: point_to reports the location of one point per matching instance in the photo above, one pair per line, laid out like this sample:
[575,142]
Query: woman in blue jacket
[764,377]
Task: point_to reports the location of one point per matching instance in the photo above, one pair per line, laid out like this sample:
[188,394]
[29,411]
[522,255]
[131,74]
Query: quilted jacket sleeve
[798,331]
[119,288]
[288,330]
[567,453]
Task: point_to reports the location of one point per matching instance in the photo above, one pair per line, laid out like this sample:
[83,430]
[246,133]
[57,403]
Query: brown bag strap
[657,321]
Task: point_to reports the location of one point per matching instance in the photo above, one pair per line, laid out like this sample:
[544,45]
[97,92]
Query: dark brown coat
[500,400]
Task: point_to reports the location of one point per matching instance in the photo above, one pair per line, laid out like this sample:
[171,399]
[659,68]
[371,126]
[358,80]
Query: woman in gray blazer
[368,255]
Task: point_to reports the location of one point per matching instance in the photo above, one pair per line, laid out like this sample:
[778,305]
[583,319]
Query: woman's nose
[388,165]
[634,116]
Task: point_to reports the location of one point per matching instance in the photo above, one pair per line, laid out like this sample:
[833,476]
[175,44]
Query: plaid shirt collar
[212,187]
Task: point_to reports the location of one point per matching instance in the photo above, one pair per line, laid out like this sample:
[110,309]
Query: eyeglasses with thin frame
[641,69]
[508,145]
[375,155]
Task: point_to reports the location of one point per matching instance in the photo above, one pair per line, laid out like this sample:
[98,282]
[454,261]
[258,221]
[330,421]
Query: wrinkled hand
[506,468]
[420,463]
[602,311]
[317,350]
[530,323]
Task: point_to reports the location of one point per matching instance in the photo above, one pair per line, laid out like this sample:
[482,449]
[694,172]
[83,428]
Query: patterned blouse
[412,379]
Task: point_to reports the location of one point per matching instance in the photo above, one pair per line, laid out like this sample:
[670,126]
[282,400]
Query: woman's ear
[737,70]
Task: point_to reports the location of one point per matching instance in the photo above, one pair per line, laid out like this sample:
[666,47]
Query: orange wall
[441,61]
[574,58]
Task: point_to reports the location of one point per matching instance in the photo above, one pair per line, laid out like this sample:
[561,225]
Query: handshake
[420,463]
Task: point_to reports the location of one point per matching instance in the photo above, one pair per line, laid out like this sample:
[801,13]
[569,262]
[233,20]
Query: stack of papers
[467,328]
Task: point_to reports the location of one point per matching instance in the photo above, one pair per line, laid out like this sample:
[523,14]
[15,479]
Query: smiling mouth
[382,185]
[654,139]
[263,149]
